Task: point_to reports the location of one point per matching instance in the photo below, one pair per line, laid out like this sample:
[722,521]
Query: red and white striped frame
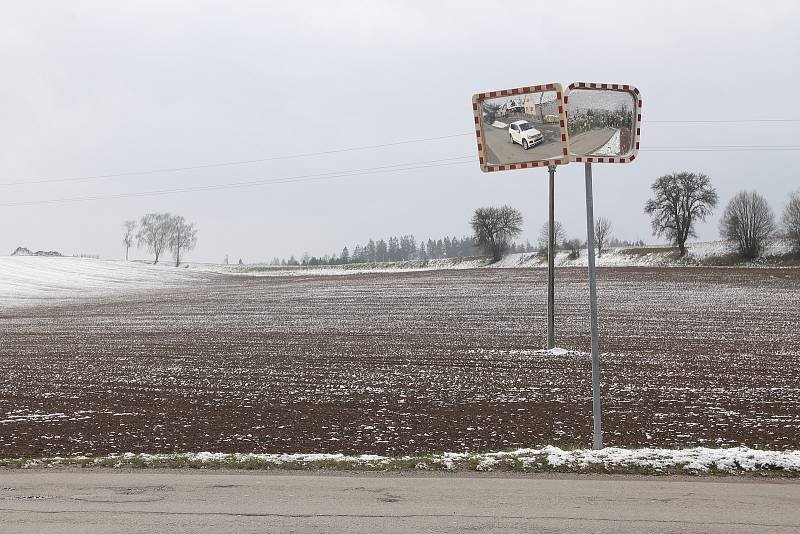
[637,120]
[562,112]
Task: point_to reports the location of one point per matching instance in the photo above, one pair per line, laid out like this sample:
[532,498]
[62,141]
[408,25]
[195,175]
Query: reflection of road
[591,141]
[500,149]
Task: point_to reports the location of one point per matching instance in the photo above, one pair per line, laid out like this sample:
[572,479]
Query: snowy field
[31,280]
[651,256]
[401,363]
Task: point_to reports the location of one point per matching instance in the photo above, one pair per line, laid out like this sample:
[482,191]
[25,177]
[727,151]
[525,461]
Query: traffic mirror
[521,128]
[603,122]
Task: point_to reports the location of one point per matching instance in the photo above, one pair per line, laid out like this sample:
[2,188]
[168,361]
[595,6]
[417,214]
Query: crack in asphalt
[408,516]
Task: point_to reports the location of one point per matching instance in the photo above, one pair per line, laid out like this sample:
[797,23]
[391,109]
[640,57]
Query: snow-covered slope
[650,256]
[30,279]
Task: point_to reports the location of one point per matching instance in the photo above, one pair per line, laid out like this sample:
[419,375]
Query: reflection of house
[511,106]
[535,106]
[529,105]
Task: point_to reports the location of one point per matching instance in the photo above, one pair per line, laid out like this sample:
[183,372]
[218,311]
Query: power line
[40,181]
[713,148]
[729,146]
[718,121]
[269,181]
[229,163]
[398,167]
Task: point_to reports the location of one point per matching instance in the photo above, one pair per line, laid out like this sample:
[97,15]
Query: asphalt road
[501,150]
[589,142]
[233,501]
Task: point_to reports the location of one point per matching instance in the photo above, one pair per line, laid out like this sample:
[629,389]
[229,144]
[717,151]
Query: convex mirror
[521,128]
[603,122]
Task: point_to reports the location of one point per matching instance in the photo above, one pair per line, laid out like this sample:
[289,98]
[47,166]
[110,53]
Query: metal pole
[551,274]
[597,441]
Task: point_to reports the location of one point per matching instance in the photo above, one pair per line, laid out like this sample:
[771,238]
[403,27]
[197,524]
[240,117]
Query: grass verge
[612,460]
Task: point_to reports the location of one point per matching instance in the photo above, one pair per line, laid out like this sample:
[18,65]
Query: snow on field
[695,460]
[650,256]
[30,279]
[403,364]
[338,270]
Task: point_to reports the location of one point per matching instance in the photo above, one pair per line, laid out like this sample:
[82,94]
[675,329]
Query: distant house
[511,106]
[24,251]
[529,105]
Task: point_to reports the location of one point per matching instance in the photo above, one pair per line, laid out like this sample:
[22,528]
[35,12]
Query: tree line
[748,223]
[679,202]
[160,233]
[399,248]
[493,236]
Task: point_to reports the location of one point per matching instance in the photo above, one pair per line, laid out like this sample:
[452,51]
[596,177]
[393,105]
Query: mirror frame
[562,113]
[637,120]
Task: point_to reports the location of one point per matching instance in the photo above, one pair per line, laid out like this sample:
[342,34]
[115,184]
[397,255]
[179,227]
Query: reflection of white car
[525,134]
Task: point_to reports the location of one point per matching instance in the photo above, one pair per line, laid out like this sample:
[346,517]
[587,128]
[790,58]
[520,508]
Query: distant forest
[405,248]
[401,248]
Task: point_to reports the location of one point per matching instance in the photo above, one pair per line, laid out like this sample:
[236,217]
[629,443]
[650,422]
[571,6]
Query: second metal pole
[551,251]
[597,441]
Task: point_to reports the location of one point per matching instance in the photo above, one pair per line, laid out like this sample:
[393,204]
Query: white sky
[110,87]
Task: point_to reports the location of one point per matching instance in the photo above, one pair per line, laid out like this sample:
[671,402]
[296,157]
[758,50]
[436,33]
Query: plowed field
[405,362]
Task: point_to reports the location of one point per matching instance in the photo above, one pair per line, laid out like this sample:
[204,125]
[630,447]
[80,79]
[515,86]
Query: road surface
[501,150]
[234,501]
[591,141]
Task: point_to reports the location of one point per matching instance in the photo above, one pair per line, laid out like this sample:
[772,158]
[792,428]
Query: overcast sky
[97,88]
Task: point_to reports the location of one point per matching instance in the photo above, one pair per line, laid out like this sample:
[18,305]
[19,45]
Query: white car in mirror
[523,133]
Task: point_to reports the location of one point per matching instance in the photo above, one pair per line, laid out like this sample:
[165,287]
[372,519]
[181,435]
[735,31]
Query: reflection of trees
[625,139]
[583,120]
[490,110]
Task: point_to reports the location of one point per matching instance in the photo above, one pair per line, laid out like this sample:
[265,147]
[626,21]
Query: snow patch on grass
[611,148]
[697,460]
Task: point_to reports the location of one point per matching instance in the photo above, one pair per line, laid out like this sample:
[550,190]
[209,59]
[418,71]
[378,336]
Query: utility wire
[719,121]
[398,167]
[269,181]
[720,149]
[728,146]
[229,163]
[322,153]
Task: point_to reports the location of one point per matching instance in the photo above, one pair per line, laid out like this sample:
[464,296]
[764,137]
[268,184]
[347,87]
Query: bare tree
[494,228]
[602,233]
[791,220]
[154,232]
[182,237]
[574,246]
[544,235]
[127,237]
[681,199]
[748,223]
